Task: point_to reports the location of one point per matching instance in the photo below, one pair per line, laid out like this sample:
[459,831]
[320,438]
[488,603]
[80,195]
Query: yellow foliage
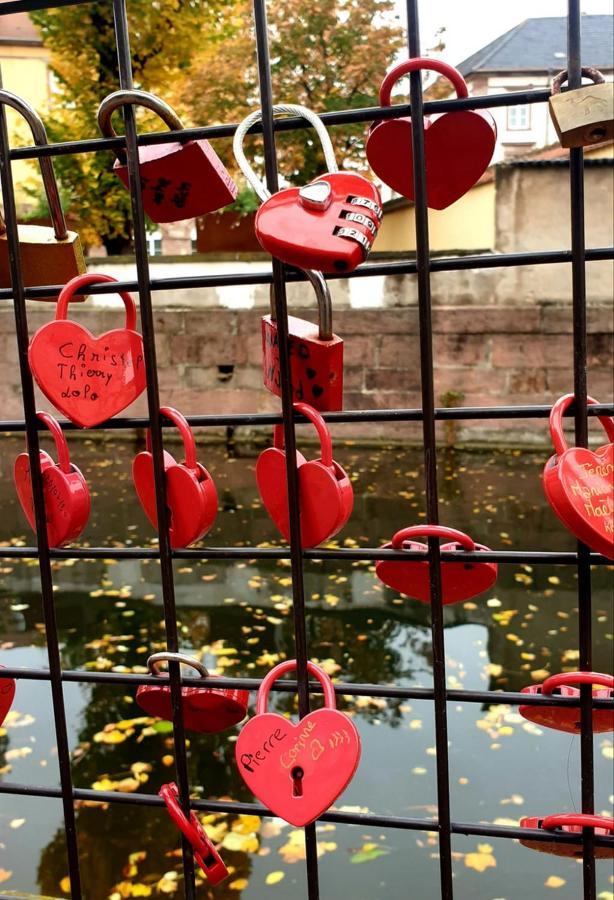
[482,859]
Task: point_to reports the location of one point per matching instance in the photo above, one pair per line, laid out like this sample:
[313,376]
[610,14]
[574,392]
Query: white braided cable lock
[290,109]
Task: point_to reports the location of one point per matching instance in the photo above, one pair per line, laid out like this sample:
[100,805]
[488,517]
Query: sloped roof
[17,28]
[536,45]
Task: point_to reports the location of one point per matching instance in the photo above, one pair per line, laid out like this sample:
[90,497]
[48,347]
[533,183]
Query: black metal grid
[422,265]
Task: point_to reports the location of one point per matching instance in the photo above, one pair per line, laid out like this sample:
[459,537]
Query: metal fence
[422,265]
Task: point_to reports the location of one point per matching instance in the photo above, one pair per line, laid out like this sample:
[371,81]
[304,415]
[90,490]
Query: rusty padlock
[316,354]
[329,224]
[48,255]
[585,115]
[179,180]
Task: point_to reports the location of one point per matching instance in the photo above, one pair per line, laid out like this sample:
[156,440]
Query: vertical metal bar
[578,274]
[44,562]
[153,403]
[281,312]
[430,454]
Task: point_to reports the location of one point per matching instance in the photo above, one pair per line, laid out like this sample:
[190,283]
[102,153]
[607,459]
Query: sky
[470,24]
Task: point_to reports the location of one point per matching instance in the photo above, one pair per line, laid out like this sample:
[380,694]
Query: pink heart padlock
[298,771]
[7,695]
[326,497]
[67,498]
[459,581]
[191,496]
[579,483]
[458,146]
[88,378]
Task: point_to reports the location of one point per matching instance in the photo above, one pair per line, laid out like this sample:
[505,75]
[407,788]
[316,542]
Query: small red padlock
[316,354]
[206,710]
[298,771]
[569,823]
[567,718]
[326,496]
[88,378]
[329,224]
[179,180]
[458,146]
[205,854]
[579,483]
[67,498]
[191,496]
[7,695]
[459,581]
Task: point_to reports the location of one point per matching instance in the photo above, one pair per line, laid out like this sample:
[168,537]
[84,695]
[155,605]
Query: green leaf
[163,727]
[367,855]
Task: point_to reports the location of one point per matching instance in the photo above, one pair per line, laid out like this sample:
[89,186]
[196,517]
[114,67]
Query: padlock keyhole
[599,132]
[297,781]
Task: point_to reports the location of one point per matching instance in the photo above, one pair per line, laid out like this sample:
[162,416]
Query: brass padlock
[48,255]
[585,115]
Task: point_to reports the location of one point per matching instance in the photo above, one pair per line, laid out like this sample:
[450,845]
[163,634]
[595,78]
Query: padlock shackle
[416,64]
[325,303]
[556,422]
[39,135]
[438,531]
[587,72]
[134,98]
[326,441]
[567,679]
[330,701]
[58,439]
[187,436]
[81,281]
[291,109]
[153,663]
[584,820]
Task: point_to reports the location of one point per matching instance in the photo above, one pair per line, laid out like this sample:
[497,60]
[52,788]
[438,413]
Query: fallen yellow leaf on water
[553,881]
[482,859]
[246,824]
[141,890]
[65,884]
[105,784]
[238,885]
[5,875]
[16,823]
[245,843]
[274,877]
[168,883]
[168,760]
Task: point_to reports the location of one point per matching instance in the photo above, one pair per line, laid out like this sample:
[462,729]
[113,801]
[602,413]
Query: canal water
[236,617]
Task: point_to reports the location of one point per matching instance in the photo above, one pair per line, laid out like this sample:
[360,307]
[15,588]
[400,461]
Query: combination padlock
[179,180]
[567,718]
[88,378]
[191,496]
[7,695]
[585,115]
[458,146]
[326,496]
[329,224]
[579,483]
[569,823]
[65,491]
[459,580]
[48,255]
[205,709]
[205,854]
[298,771]
[316,354]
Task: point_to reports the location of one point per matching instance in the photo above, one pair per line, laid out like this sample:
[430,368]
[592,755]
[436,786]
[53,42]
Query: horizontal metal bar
[16,6]
[342,818]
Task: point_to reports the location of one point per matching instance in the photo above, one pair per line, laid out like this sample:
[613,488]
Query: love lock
[179,180]
[328,225]
[191,496]
[585,115]
[88,378]
[298,771]
[569,823]
[7,695]
[459,581]
[326,497]
[207,710]
[48,255]
[205,853]
[579,483]
[567,718]
[458,146]
[316,354]
[65,491]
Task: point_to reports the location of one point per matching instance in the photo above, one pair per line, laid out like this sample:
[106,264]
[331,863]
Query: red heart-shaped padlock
[459,581]
[67,498]
[458,146]
[191,496]
[567,718]
[88,378]
[205,853]
[579,483]
[326,497]
[569,823]
[206,709]
[7,695]
[298,771]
